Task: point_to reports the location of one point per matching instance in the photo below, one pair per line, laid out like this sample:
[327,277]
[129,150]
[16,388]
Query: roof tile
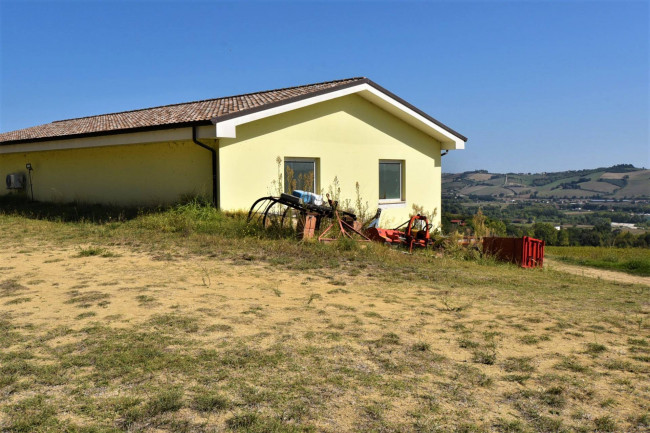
[187,112]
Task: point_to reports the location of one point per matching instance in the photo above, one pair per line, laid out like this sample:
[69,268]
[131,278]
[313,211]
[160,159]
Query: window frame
[314,161]
[402,197]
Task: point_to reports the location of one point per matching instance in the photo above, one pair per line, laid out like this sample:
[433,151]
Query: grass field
[190,321]
[631,260]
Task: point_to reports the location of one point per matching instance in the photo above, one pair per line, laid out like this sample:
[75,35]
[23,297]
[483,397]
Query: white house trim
[161,136]
[228,128]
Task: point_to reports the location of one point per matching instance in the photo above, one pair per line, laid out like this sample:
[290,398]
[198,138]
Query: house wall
[134,174]
[348,136]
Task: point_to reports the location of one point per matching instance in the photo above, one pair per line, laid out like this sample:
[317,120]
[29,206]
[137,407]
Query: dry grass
[634,261]
[165,330]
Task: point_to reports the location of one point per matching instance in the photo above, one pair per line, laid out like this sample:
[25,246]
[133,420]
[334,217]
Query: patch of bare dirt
[619,277]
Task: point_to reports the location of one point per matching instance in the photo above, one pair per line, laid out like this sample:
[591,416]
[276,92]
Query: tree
[563,238]
[497,227]
[478,222]
[545,232]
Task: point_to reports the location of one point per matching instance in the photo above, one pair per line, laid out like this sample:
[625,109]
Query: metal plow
[271,212]
[287,211]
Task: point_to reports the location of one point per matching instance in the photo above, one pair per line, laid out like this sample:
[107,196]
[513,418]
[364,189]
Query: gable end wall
[348,136]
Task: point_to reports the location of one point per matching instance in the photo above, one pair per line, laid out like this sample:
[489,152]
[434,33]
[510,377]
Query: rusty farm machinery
[305,212]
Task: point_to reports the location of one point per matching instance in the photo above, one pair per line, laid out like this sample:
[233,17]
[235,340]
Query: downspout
[215,169]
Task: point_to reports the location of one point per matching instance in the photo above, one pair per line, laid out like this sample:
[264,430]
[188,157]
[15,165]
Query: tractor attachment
[276,212]
[347,227]
[416,234]
[300,212]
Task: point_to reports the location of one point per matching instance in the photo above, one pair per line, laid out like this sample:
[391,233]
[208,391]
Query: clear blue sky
[536,86]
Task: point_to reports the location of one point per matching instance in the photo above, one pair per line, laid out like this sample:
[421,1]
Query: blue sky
[535,85]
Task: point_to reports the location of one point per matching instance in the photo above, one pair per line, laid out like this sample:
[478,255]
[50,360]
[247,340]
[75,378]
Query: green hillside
[622,181]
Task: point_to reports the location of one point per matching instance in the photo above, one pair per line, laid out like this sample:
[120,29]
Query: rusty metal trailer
[527,252]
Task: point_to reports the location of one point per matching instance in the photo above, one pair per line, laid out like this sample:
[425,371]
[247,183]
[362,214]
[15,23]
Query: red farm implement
[343,227]
[415,235]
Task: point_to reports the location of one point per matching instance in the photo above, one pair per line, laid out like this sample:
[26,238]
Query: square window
[390,180]
[299,174]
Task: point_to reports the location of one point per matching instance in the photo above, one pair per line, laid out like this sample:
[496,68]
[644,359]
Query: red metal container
[527,252]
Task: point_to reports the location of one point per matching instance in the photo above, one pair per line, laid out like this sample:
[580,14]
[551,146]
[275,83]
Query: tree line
[601,234]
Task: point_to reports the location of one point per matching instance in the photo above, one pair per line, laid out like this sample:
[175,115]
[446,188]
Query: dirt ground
[347,316]
[603,274]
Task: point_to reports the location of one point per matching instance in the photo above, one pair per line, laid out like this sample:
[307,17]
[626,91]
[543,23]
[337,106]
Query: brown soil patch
[602,274]
[398,347]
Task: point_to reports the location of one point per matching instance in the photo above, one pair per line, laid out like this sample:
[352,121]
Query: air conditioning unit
[15,181]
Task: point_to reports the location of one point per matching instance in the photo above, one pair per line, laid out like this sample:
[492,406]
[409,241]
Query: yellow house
[233,150]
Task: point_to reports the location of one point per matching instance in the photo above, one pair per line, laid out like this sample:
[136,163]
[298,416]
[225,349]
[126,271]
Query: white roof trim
[161,136]
[228,128]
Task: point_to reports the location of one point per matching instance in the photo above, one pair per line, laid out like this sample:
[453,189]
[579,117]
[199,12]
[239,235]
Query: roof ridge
[209,99]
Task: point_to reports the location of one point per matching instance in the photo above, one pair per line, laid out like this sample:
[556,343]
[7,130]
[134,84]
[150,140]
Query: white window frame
[300,159]
[393,202]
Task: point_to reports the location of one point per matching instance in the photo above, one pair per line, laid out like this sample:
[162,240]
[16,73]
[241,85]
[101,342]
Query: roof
[202,112]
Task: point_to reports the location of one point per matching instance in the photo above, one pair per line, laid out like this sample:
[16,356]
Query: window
[299,174]
[390,180]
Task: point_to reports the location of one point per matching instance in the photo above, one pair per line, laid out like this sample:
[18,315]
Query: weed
[518,378]
[642,420]
[31,414]
[509,426]
[572,364]
[218,328]
[85,299]
[642,342]
[172,323]
[346,244]
[254,423]
[529,339]
[10,288]
[208,401]
[338,282]
[449,307]
[164,401]
[642,358]
[621,365]
[605,424]
[372,314]
[553,397]
[518,365]
[595,349]
[242,421]
[473,376]
[609,402]
[421,347]
[205,277]
[337,291]
[486,355]
[169,400]
[467,344]
[343,307]
[95,251]
[312,297]
[144,300]
[388,339]
[17,301]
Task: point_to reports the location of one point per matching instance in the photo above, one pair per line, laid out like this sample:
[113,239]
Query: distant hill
[622,181]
